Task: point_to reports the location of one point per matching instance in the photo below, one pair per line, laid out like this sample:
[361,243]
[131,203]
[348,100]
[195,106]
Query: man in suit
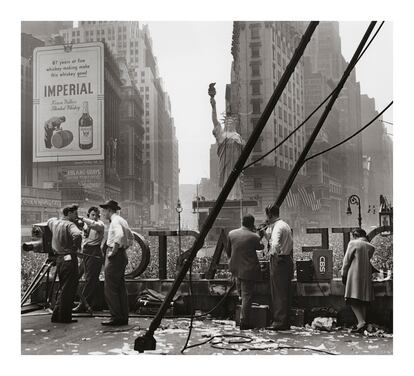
[242,244]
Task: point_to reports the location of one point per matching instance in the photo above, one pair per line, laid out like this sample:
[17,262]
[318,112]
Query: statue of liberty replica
[229,144]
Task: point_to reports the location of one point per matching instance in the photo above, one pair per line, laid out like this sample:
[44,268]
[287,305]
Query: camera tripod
[45,270]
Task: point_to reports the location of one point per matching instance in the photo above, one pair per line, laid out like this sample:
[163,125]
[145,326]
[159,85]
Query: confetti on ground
[171,336]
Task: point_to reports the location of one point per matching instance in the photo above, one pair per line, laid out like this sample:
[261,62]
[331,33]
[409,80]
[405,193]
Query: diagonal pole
[302,158]
[147,341]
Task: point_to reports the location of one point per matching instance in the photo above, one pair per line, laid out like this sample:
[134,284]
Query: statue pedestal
[229,218]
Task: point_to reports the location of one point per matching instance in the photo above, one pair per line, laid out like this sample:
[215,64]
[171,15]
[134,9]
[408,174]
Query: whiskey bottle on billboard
[85,128]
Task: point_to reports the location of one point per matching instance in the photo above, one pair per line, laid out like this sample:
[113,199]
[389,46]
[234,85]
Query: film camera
[41,239]
[41,243]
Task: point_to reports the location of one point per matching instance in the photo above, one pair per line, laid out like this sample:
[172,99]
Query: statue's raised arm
[216,123]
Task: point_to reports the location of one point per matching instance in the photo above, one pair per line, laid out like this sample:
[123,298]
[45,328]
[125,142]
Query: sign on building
[68,103]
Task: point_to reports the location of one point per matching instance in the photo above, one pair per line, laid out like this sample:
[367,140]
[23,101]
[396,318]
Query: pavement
[39,336]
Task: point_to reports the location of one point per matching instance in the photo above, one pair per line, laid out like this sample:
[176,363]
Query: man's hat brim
[110,205]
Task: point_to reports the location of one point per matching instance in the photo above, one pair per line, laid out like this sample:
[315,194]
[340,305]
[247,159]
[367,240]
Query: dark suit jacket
[241,249]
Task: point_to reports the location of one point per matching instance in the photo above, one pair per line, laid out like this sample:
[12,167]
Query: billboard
[68,103]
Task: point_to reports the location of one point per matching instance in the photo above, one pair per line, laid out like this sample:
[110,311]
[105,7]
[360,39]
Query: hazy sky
[193,54]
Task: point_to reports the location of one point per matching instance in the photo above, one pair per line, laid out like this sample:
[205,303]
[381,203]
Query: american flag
[308,197]
[292,199]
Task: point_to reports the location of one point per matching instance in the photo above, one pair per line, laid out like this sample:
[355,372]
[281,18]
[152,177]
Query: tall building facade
[130,148]
[325,57]
[376,149]
[323,171]
[261,52]
[130,41]
[28,44]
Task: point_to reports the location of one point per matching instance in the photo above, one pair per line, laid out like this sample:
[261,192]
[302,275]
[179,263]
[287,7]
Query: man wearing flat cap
[119,239]
[66,240]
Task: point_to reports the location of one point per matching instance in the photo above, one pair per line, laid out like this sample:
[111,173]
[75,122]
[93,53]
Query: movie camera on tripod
[41,243]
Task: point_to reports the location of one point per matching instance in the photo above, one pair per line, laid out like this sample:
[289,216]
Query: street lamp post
[355,200]
[179,209]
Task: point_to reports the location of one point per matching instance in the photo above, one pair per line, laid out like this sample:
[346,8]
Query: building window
[255,51]
[255,88]
[280,130]
[257,183]
[258,146]
[255,70]
[256,106]
[255,32]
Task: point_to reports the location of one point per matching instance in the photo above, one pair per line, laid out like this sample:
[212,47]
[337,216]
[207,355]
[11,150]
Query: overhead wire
[315,110]
[351,136]
[252,163]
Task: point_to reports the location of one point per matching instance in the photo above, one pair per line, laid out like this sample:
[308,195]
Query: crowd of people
[382,259]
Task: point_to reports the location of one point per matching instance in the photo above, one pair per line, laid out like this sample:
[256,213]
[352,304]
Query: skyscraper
[126,39]
[261,51]
[376,147]
[325,56]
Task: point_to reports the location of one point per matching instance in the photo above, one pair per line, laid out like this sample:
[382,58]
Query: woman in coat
[357,276]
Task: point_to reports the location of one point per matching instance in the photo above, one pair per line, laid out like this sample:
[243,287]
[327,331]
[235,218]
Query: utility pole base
[145,342]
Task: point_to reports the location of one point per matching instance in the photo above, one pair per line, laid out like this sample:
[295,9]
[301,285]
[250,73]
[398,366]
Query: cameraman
[66,240]
[93,236]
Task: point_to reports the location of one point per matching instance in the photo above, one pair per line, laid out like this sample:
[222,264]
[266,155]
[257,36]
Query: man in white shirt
[119,239]
[91,266]
[279,235]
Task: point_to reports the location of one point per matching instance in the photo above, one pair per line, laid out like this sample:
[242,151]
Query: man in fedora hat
[119,239]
